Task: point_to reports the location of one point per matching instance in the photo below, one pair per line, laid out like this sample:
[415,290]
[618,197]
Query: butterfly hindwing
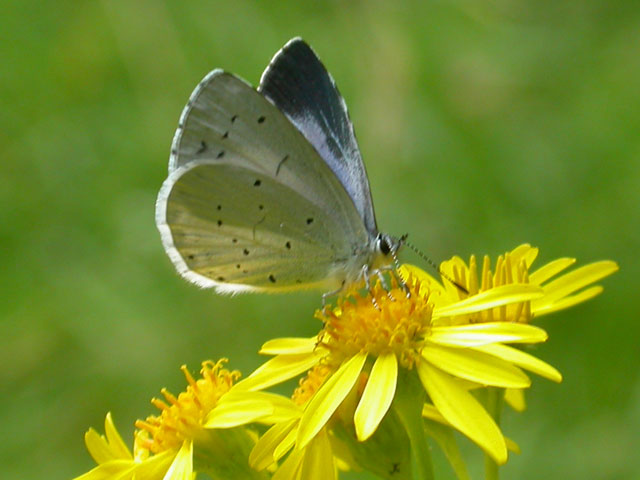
[259,242]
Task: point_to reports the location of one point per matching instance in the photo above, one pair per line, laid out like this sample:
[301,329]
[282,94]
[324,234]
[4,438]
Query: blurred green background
[483,125]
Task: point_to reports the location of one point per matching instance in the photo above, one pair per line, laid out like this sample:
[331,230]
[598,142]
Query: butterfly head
[386,248]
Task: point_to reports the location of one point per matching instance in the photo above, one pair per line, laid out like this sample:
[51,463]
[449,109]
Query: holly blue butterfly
[267,190]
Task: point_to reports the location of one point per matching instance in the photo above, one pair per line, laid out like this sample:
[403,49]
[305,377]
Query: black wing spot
[220,279]
[288,245]
[309,221]
[234,240]
[191,257]
[261,119]
[219,207]
[260,207]
[257,183]
[245,251]
[272,278]
[174,152]
[219,223]
[220,154]
[203,147]
[233,119]
[284,159]
[225,134]
[238,266]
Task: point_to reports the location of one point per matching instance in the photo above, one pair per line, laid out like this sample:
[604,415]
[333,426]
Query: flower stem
[494,407]
[408,403]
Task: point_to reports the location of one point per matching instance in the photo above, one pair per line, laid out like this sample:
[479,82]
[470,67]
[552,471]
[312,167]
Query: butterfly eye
[383,245]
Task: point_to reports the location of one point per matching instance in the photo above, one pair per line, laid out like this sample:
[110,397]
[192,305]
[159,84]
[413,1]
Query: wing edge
[171,250]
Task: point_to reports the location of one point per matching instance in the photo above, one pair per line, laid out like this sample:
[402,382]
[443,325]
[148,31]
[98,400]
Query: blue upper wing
[300,86]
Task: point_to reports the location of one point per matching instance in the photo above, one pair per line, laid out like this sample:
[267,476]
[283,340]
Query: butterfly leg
[401,282]
[384,283]
[331,294]
[367,275]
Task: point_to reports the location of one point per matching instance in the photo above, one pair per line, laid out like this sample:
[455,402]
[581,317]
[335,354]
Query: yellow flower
[322,457]
[510,273]
[369,346]
[315,461]
[115,460]
[176,444]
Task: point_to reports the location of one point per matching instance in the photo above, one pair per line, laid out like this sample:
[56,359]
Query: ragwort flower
[175,444]
[370,346]
[560,290]
[510,272]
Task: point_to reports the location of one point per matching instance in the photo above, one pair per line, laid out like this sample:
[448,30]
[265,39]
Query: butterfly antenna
[433,264]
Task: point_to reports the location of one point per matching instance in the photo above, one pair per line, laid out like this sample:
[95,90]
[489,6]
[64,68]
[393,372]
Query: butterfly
[267,190]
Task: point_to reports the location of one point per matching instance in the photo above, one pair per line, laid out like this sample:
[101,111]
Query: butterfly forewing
[225,116]
[244,179]
[297,82]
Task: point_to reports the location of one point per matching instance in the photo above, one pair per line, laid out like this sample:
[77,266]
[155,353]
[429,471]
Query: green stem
[494,407]
[223,453]
[408,403]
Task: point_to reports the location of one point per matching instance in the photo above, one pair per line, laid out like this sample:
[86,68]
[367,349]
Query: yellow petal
[574,281]
[239,412]
[377,396]
[515,398]
[318,461]
[116,443]
[279,369]
[111,470]
[289,346]
[153,467]
[263,453]
[463,411]
[408,269]
[476,366]
[494,297]
[551,269]
[287,443]
[98,447]
[569,301]
[110,448]
[328,398]
[484,333]
[512,446]
[522,359]
[182,466]
[283,408]
[524,252]
[430,412]
[238,407]
[290,468]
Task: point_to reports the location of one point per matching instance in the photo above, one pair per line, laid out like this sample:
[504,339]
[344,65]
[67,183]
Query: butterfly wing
[297,82]
[244,179]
